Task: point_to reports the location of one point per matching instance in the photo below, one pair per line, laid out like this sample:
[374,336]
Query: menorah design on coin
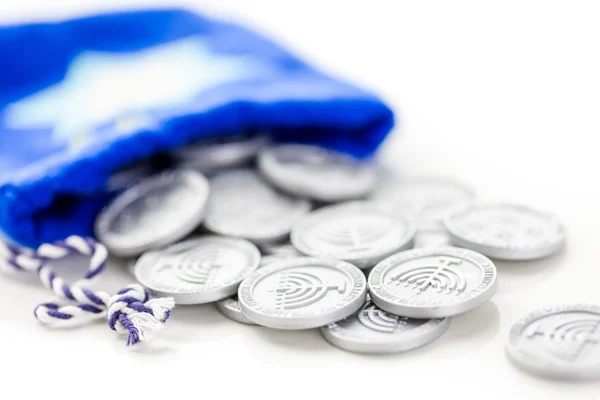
[197,267]
[441,277]
[199,273]
[378,320]
[568,340]
[353,233]
[297,289]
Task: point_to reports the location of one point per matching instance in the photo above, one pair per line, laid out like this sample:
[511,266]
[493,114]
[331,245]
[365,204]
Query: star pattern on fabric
[99,87]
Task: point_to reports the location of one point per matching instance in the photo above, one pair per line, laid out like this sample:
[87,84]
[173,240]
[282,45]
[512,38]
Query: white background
[503,95]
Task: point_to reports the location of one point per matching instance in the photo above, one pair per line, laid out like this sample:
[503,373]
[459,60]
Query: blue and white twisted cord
[130,311]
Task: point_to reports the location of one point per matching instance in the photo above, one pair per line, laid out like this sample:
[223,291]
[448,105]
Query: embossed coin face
[230,308]
[154,212]
[357,232]
[372,330]
[507,231]
[212,154]
[561,342]
[427,201]
[242,205]
[302,293]
[313,172]
[201,270]
[432,282]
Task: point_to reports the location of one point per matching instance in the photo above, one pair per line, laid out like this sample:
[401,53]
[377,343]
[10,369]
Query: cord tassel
[130,311]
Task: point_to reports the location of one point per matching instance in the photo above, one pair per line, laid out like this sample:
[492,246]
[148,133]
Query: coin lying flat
[507,231]
[242,205]
[432,282]
[313,172]
[374,331]
[426,201]
[196,271]
[212,154]
[561,342]
[357,232]
[154,212]
[230,308]
[302,293]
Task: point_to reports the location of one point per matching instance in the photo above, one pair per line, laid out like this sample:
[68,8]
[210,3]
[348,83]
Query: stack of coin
[293,236]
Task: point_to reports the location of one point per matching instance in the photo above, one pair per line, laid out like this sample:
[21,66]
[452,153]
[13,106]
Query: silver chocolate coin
[153,213]
[427,200]
[313,172]
[357,232]
[212,154]
[507,231]
[432,282]
[230,308]
[201,270]
[242,205]
[560,342]
[302,293]
[374,331]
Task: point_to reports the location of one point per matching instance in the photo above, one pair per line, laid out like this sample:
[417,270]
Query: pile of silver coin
[293,236]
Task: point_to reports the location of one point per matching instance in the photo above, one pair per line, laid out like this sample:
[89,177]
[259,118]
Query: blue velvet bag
[69,92]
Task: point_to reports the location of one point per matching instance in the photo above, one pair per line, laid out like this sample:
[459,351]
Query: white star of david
[99,87]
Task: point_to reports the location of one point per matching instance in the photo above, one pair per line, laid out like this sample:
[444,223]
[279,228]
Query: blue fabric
[60,139]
